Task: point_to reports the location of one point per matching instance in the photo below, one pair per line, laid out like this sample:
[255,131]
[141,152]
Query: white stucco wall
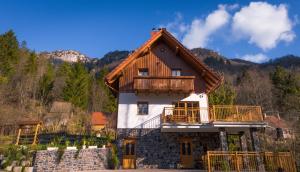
[127,108]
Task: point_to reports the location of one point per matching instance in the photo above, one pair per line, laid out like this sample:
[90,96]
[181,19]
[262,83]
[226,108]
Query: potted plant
[84,143]
[52,146]
[54,143]
[69,147]
[92,143]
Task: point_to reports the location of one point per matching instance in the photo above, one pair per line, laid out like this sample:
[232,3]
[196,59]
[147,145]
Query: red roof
[276,122]
[98,118]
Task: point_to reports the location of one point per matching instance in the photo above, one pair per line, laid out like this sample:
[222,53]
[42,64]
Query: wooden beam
[18,136]
[35,134]
[177,50]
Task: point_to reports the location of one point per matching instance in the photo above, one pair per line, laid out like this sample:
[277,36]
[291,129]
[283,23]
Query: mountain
[66,56]
[288,61]
[112,59]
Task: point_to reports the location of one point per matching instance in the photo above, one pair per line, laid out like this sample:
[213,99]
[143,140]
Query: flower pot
[28,169]
[92,147]
[17,169]
[52,148]
[71,148]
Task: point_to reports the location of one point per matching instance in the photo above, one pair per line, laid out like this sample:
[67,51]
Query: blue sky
[251,30]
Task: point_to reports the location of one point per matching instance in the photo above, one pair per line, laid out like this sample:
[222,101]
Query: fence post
[208,162]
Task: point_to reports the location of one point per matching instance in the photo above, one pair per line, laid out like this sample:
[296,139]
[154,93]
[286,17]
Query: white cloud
[199,31]
[264,24]
[176,27]
[257,58]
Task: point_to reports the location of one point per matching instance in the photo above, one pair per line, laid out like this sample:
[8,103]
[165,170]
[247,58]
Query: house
[98,122]
[278,128]
[58,115]
[164,119]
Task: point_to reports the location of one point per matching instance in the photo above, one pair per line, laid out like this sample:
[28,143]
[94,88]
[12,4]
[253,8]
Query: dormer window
[143,72]
[176,72]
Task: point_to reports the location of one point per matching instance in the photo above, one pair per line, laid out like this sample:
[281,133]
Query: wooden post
[208,162]
[237,112]
[18,137]
[236,162]
[214,113]
[36,133]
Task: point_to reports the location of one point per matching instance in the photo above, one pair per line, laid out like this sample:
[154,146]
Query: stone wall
[87,159]
[156,149]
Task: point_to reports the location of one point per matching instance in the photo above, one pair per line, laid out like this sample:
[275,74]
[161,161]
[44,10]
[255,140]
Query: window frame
[138,108]
[176,71]
[142,71]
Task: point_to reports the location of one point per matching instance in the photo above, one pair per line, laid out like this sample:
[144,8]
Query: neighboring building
[58,116]
[98,121]
[278,128]
[164,119]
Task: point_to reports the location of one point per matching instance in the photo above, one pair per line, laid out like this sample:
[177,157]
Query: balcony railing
[235,113]
[181,115]
[183,84]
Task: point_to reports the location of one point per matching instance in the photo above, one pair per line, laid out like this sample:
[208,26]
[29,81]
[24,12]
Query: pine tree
[224,95]
[77,86]
[31,64]
[110,103]
[9,53]
[286,90]
[46,85]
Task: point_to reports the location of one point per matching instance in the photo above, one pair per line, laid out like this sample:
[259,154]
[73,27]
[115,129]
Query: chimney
[154,31]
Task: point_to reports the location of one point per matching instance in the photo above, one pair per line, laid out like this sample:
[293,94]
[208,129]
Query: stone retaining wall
[87,159]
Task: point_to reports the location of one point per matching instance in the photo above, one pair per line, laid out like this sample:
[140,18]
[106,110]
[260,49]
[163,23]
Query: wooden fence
[250,161]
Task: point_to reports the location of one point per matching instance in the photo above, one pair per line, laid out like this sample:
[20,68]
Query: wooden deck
[235,113]
[217,113]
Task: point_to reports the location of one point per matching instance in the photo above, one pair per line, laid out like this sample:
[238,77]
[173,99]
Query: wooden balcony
[235,113]
[180,84]
[181,115]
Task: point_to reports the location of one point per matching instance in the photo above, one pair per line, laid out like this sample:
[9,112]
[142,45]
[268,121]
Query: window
[142,108]
[176,72]
[143,72]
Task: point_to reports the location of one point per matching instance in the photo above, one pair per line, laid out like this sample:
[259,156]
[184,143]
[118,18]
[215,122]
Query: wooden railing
[235,113]
[183,115]
[249,161]
[164,84]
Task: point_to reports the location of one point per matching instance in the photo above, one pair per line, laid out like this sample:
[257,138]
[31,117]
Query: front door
[129,154]
[186,153]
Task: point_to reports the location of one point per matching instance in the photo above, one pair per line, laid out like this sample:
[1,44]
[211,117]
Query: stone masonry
[87,159]
[156,149]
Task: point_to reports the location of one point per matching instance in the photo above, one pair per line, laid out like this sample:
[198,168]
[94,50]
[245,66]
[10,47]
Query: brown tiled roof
[99,118]
[276,122]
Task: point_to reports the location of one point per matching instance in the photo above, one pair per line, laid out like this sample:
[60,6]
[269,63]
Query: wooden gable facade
[161,54]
